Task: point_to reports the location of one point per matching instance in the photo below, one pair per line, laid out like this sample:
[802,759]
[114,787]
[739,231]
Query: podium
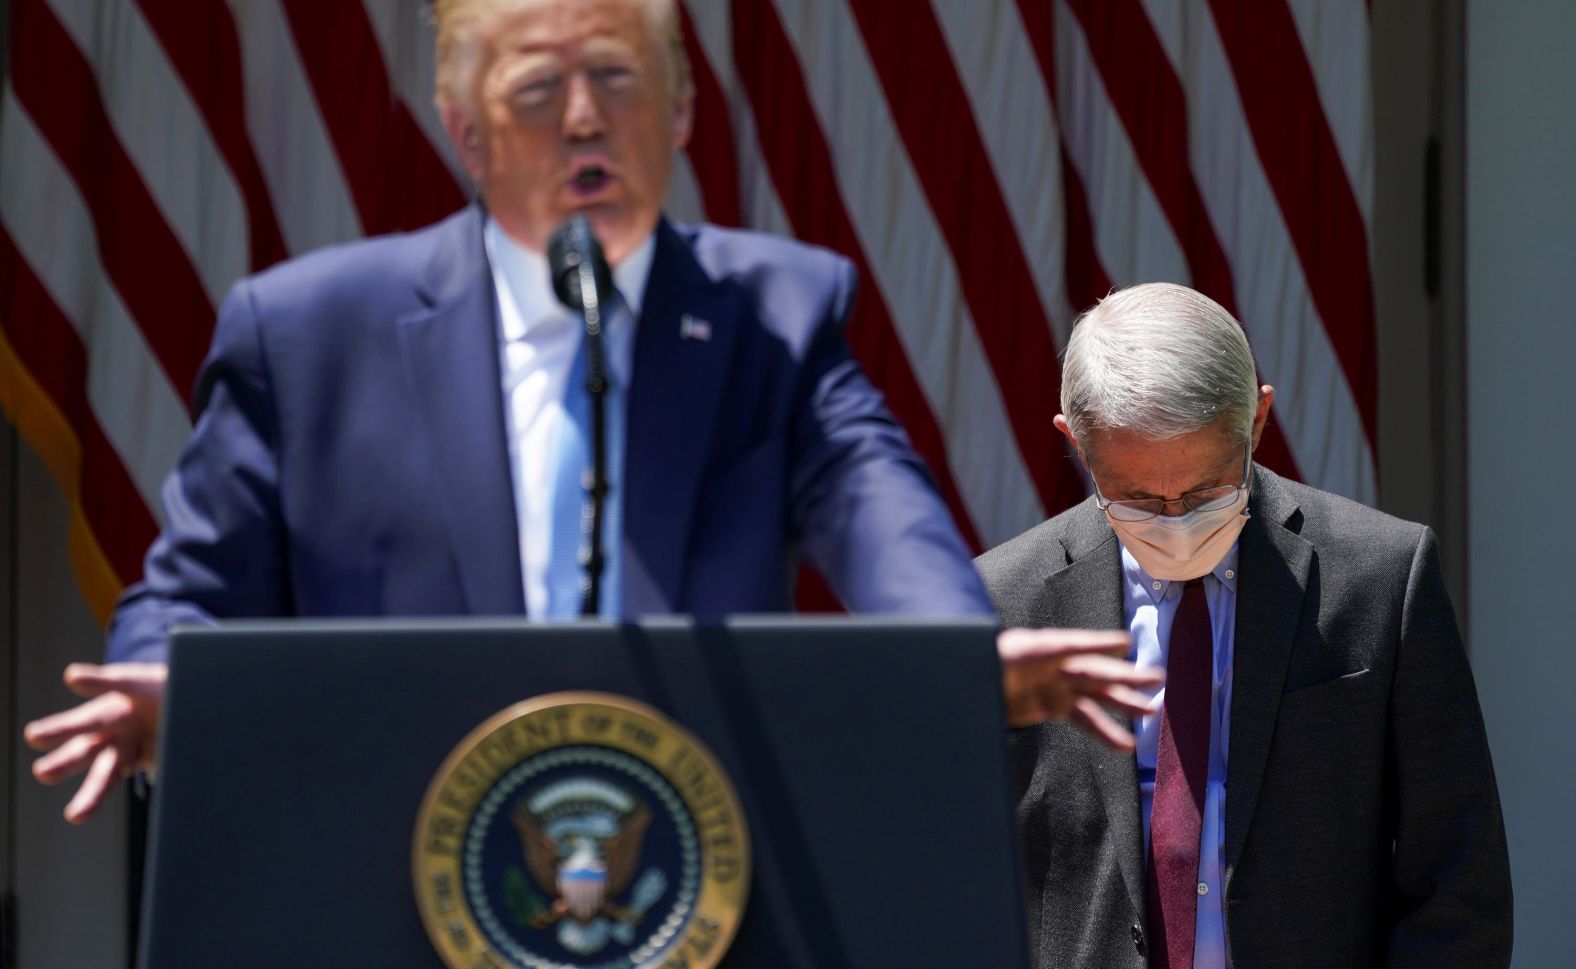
[868,758]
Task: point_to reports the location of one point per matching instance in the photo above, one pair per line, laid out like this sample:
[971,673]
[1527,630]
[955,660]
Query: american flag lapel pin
[694,328]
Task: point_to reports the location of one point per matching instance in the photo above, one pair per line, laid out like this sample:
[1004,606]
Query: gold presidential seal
[581,830]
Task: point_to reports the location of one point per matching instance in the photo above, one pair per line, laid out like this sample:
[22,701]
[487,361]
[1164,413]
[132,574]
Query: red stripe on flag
[368,122]
[1087,280]
[1297,149]
[1274,452]
[1149,100]
[49,349]
[800,162]
[936,122]
[150,270]
[711,146]
[200,40]
[1039,23]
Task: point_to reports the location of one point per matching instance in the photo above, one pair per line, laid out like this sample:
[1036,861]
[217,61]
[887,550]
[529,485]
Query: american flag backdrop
[992,166]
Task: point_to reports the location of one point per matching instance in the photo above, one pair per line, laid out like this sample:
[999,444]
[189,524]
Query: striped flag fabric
[993,167]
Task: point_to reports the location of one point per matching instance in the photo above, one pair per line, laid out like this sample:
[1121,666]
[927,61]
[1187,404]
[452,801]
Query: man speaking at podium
[398,427]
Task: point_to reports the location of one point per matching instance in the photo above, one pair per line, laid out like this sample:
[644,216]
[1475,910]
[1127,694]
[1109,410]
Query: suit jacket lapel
[1087,594]
[674,399]
[1274,562]
[451,361]
[1085,590]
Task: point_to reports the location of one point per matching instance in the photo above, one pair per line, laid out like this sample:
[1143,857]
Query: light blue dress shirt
[1150,605]
[538,340]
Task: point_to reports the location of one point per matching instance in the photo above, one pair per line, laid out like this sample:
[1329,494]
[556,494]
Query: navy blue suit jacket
[349,458]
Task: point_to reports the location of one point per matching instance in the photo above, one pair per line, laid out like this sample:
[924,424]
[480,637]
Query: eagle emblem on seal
[580,830]
[581,839]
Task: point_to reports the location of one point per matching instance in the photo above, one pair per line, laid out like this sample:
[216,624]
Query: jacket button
[1138,938]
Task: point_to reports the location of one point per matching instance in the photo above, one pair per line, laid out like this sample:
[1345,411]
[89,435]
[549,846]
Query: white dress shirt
[1151,605]
[538,339]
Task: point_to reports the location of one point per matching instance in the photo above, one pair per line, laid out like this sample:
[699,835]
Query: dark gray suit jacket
[1363,823]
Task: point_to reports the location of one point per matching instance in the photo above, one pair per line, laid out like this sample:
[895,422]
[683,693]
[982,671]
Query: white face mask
[1185,546]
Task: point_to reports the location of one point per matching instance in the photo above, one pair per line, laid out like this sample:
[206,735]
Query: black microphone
[584,283]
[576,258]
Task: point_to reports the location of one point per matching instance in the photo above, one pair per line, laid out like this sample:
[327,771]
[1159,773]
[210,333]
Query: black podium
[869,758]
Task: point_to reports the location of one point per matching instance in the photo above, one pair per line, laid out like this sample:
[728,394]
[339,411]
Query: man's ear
[1262,415]
[463,136]
[683,117]
[1060,420]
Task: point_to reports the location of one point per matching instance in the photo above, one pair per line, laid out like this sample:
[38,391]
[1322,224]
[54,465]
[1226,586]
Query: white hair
[1160,360]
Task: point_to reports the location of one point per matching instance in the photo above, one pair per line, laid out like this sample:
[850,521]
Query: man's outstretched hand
[1061,674]
[1047,674]
[109,736]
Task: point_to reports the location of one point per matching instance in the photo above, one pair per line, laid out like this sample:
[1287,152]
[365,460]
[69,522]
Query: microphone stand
[596,484]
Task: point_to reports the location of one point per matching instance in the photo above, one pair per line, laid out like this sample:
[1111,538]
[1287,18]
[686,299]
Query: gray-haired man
[1316,789]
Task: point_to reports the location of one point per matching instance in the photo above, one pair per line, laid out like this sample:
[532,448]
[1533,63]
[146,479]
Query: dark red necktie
[1181,769]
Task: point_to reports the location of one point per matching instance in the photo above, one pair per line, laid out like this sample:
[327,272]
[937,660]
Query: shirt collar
[631,275]
[526,274]
[1143,586]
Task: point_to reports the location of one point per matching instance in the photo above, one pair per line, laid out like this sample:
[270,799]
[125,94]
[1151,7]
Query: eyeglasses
[1203,499]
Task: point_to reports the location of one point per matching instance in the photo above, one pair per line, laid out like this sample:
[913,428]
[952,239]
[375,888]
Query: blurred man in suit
[1315,790]
[398,427]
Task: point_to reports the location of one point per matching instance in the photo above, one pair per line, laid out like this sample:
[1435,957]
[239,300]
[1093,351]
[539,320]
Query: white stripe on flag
[163,132]
[761,207]
[1318,414]
[1012,108]
[305,181]
[1170,23]
[1132,234]
[141,415]
[684,201]
[913,268]
[1335,40]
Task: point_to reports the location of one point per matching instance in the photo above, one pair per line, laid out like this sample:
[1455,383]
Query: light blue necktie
[566,574]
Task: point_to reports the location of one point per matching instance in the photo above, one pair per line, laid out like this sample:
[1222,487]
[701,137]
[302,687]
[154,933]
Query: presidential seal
[581,830]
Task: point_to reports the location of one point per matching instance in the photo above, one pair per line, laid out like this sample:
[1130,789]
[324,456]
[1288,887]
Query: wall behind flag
[1521,248]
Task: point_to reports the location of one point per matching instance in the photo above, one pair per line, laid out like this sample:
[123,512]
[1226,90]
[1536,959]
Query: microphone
[581,277]
[584,283]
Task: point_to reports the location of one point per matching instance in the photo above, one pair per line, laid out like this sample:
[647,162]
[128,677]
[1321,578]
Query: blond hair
[458,20]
